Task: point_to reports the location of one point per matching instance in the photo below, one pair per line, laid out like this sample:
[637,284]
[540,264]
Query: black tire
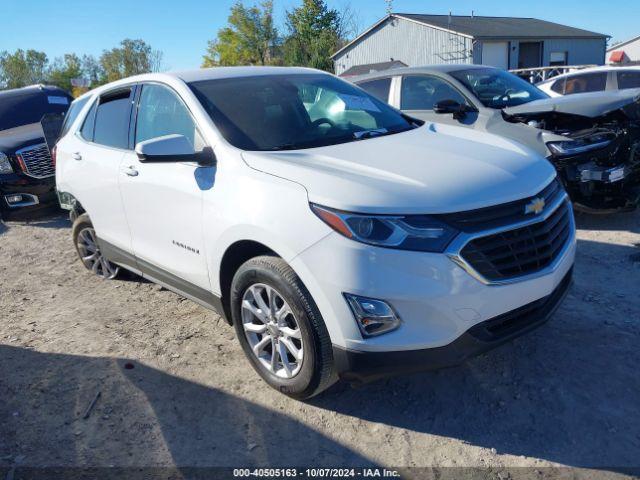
[316,372]
[81,224]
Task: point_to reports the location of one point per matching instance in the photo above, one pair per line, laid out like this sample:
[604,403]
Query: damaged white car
[592,139]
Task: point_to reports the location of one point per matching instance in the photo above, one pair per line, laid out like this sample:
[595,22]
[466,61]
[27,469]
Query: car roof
[201,74]
[441,68]
[601,68]
[32,89]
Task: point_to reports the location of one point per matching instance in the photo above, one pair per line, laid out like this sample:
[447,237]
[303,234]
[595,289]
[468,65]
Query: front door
[163,201]
[420,93]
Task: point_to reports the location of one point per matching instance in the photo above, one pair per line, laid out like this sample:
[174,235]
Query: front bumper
[436,299]
[39,194]
[358,366]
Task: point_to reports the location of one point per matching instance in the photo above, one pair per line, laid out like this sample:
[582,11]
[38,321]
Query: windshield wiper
[370,133]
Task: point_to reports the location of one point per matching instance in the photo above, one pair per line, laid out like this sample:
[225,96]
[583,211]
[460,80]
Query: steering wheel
[507,94]
[319,121]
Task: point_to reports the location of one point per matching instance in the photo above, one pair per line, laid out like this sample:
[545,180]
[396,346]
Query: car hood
[13,138]
[585,104]
[436,168]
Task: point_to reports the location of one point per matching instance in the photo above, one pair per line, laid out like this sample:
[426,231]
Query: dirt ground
[175,389]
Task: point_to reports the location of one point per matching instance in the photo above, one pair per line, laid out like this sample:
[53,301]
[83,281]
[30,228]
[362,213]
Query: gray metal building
[503,42]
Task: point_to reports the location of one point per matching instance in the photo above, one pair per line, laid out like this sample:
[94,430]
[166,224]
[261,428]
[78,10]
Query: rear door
[163,201]
[92,164]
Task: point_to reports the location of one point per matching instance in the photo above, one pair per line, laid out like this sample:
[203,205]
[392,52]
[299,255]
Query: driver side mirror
[458,110]
[173,148]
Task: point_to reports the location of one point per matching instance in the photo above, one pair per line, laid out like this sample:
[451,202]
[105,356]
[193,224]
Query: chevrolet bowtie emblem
[535,206]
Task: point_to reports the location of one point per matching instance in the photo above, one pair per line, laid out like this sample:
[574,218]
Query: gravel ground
[176,391]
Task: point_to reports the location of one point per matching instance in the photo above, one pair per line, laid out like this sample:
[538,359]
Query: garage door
[496,54]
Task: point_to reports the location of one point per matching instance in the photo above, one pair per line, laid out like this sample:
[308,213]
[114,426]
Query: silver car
[593,139]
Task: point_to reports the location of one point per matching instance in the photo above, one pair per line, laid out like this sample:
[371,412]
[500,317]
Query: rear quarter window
[558,86]
[628,80]
[86,131]
[378,88]
[72,114]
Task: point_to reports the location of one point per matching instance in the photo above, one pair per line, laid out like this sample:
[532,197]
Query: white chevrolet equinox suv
[341,238]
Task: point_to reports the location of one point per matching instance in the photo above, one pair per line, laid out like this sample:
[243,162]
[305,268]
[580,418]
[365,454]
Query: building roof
[500,27]
[617,56]
[487,27]
[617,46]
[372,67]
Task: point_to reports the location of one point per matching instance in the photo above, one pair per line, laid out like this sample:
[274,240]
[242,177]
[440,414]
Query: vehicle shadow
[143,417]
[3,227]
[567,392]
[54,220]
[629,221]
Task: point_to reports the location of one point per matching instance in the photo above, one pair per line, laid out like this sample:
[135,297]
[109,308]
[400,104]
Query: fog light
[374,317]
[11,199]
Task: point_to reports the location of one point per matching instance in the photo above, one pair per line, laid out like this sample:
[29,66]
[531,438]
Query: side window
[378,88]
[628,80]
[89,123]
[161,112]
[112,119]
[72,114]
[588,82]
[423,92]
[558,86]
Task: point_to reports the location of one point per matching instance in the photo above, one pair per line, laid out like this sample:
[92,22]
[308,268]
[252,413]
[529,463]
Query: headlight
[578,146]
[5,166]
[412,232]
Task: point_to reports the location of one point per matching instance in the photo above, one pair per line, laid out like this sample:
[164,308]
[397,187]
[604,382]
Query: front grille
[36,161]
[522,251]
[472,221]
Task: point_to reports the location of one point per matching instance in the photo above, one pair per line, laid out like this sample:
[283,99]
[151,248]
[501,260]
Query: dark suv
[30,121]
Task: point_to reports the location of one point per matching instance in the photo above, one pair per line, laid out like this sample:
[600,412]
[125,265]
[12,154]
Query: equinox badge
[535,206]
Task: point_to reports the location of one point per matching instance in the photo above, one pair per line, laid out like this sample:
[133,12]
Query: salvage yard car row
[593,139]
[341,237]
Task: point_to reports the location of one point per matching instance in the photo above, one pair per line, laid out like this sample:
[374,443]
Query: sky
[181,28]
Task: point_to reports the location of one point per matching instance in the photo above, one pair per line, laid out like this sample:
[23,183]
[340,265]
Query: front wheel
[86,242]
[280,328]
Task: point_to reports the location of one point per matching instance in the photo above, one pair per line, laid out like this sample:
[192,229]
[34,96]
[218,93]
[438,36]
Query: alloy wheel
[272,331]
[92,257]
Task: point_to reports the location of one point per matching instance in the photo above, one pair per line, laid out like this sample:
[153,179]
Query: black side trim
[118,255]
[161,276]
[369,366]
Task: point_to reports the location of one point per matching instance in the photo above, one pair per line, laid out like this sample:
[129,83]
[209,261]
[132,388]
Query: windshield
[497,88]
[285,112]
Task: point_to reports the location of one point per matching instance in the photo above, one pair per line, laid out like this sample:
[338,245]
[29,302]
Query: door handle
[76,156]
[131,171]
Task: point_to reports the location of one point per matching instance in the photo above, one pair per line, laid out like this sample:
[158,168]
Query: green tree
[92,70]
[132,57]
[314,33]
[63,70]
[22,68]
[250,38]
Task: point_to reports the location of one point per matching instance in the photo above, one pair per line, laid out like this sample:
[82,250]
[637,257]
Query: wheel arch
[234,256]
